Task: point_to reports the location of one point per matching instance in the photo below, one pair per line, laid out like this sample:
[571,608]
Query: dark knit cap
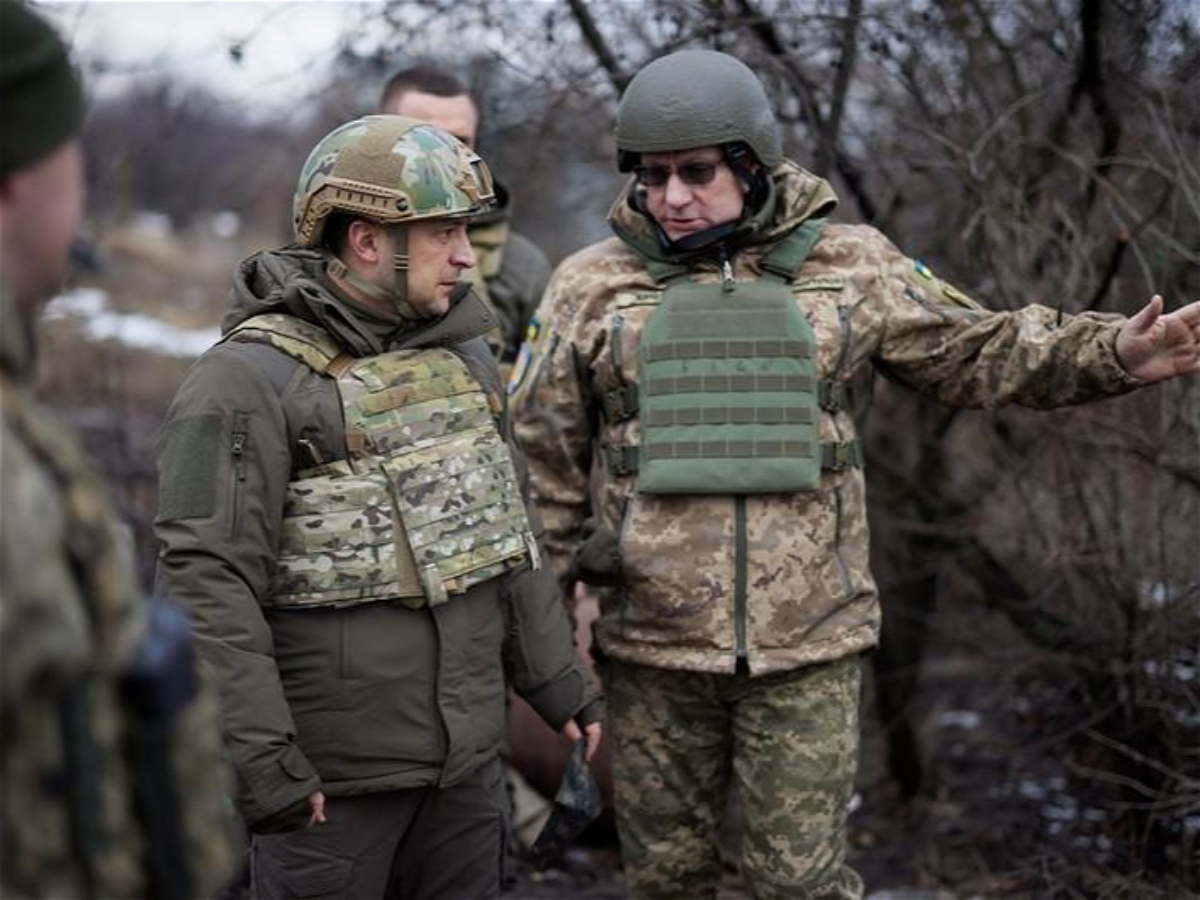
[41,103]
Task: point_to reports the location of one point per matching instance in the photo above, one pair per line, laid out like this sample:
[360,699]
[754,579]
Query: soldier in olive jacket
[343,511]
[696,366]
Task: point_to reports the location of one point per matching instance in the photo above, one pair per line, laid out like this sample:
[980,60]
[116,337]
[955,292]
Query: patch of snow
[966,719]
[142,332]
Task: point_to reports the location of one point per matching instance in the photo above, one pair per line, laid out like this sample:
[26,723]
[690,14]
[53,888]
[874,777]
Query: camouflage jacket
[369,698]
[782,579]
[79,811]
[510,276]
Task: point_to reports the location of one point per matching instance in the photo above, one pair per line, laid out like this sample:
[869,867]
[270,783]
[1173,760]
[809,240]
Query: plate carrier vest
[426,505]
[728,396]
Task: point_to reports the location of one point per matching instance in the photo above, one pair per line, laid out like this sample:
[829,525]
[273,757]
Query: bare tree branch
[595,40]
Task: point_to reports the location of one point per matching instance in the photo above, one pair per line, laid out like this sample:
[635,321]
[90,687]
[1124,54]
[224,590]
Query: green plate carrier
[728,395]
[426,505]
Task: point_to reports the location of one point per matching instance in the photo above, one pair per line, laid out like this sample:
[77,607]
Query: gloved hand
[598,560]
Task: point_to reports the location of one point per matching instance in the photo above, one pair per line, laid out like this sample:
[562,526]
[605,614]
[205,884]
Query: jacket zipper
[618,355]
[844,325]
[739,575]
[237,451]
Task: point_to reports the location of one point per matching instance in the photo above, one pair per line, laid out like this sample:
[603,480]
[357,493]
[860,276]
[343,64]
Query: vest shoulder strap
[786,257]
[300,340]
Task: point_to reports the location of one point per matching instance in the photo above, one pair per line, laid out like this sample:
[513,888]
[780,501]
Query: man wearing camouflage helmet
[111,781]
[343,510]
[700,360]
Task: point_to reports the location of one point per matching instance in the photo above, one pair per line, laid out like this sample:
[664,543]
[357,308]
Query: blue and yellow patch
[520,368]
[923,270]
[524,356]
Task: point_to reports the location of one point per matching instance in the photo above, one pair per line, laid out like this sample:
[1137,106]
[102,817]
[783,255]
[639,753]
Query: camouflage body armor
[425,506]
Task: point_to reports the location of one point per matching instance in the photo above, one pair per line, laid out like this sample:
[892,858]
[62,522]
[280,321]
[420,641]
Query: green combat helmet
[393,170]
[696,98]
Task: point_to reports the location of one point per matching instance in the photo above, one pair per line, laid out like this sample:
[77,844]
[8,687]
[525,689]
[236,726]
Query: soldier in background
[701,357]
[343,511]
[511,272]
[113,784]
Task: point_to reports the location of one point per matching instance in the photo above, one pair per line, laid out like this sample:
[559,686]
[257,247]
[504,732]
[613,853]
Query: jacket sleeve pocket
[276,786]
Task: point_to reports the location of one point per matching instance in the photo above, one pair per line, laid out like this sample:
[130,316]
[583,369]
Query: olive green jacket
[369,698]
[779,579]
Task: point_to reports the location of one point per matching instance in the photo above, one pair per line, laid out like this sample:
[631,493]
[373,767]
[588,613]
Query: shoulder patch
[941,290]
[523,363]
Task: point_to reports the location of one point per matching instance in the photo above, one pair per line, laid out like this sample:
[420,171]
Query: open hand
[1152,346]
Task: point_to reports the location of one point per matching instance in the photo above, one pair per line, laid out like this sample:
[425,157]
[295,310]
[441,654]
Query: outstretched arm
[1152,346]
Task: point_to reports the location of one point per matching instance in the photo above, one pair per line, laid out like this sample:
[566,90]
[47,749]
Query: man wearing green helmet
[683,405]
[343,510]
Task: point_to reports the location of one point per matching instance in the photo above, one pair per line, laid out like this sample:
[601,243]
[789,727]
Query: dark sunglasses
[690,173]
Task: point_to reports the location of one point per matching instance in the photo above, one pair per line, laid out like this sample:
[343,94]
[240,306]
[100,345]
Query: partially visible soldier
[510,272]
[701,357]
[113,784]
[344,512]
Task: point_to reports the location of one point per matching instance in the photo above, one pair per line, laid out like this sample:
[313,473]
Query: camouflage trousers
[789,739]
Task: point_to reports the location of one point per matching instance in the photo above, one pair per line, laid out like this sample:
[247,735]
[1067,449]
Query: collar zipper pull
[726,273]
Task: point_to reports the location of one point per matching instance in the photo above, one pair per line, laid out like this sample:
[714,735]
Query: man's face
[438,251]
[684,208]
[456,114]
[41,207]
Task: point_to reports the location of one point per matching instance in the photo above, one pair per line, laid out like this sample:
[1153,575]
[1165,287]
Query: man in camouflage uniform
[699,359]
[343,510]
[112,782]
[510,272]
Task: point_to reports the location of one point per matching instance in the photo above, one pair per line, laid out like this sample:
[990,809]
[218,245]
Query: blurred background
[1033,726]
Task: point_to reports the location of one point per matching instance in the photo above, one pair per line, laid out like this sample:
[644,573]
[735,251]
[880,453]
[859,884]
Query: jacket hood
[794,195]
[293,281]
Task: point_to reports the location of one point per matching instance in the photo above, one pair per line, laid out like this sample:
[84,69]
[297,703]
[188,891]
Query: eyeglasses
[694,174]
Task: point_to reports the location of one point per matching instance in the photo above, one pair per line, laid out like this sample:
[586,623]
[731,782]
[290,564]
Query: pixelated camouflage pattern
[809,593]
[71,616]
[426,506]
[673,737]
[388,169]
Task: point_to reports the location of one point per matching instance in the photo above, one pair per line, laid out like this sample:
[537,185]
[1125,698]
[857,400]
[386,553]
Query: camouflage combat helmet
[695,98]
[395,171]
[389,169]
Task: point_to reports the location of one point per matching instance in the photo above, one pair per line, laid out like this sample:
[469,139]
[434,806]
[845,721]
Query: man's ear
[364,241]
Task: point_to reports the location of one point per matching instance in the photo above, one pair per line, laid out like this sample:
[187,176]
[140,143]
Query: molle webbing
[427,503]
[728,392]
[729,395]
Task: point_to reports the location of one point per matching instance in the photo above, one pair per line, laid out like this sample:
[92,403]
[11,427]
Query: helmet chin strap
[395,297]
